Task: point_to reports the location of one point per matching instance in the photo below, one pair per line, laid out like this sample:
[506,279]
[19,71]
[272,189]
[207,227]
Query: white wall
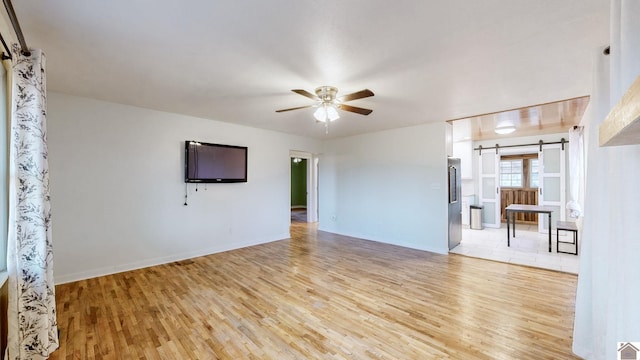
[117,188]
[388,186]
[607,310]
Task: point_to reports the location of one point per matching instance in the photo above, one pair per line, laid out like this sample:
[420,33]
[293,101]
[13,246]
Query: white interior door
[552,186]
[489,189]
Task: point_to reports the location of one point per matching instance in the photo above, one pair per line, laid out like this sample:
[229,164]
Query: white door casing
[312,183]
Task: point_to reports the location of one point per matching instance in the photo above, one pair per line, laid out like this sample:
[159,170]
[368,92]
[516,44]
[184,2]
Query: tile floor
[529,248]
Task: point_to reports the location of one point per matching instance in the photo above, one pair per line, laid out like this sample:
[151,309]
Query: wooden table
[513,208]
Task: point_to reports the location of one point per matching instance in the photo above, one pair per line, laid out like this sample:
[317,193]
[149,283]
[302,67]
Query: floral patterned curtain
[33,332]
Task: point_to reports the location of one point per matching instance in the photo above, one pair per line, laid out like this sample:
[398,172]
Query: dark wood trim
[518,156]
[4,305]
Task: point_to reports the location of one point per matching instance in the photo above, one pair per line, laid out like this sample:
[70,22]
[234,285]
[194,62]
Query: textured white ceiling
[237,60]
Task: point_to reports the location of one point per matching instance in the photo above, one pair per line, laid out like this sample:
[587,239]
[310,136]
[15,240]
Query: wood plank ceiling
[549,118]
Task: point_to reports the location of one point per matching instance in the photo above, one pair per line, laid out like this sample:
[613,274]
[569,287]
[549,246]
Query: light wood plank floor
[320,296]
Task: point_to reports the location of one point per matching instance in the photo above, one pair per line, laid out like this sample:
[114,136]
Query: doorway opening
[501,172]
[518,179]
[298,190]
[304,187]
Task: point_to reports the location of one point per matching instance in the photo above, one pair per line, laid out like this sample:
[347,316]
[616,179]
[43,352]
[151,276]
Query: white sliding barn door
[551,193]
[489,192]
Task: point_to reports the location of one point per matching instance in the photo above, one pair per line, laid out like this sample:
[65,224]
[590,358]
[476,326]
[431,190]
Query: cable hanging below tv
[214,163]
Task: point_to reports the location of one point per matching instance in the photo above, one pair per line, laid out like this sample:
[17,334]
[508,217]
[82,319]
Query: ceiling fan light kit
[326,112]
[328,103]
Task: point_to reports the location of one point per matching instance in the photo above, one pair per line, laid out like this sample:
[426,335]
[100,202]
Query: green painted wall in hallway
[299,183]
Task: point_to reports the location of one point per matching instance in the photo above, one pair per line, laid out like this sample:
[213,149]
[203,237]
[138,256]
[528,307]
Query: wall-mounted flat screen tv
[214,163]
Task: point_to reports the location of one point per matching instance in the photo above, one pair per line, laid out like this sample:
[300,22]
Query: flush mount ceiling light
[328,103]
[505,122]
[505,129]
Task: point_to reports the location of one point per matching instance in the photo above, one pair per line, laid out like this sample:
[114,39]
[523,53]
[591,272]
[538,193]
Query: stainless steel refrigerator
[455,201]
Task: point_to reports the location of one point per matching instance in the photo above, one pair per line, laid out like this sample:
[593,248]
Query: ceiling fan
[328,103]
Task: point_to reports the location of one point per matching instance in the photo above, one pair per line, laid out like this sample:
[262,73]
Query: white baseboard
[92,273]
[442,251]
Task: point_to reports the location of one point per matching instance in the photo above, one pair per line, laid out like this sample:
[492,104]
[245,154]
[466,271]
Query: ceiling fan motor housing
[327,93]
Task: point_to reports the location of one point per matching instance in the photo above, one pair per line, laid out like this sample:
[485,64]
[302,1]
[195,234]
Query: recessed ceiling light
[505,129]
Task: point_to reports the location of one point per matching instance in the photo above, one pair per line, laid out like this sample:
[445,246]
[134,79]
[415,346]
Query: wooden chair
[567,226]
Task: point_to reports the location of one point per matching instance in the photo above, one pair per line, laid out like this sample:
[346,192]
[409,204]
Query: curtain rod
[24,49]
[6,48]
[539,143]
